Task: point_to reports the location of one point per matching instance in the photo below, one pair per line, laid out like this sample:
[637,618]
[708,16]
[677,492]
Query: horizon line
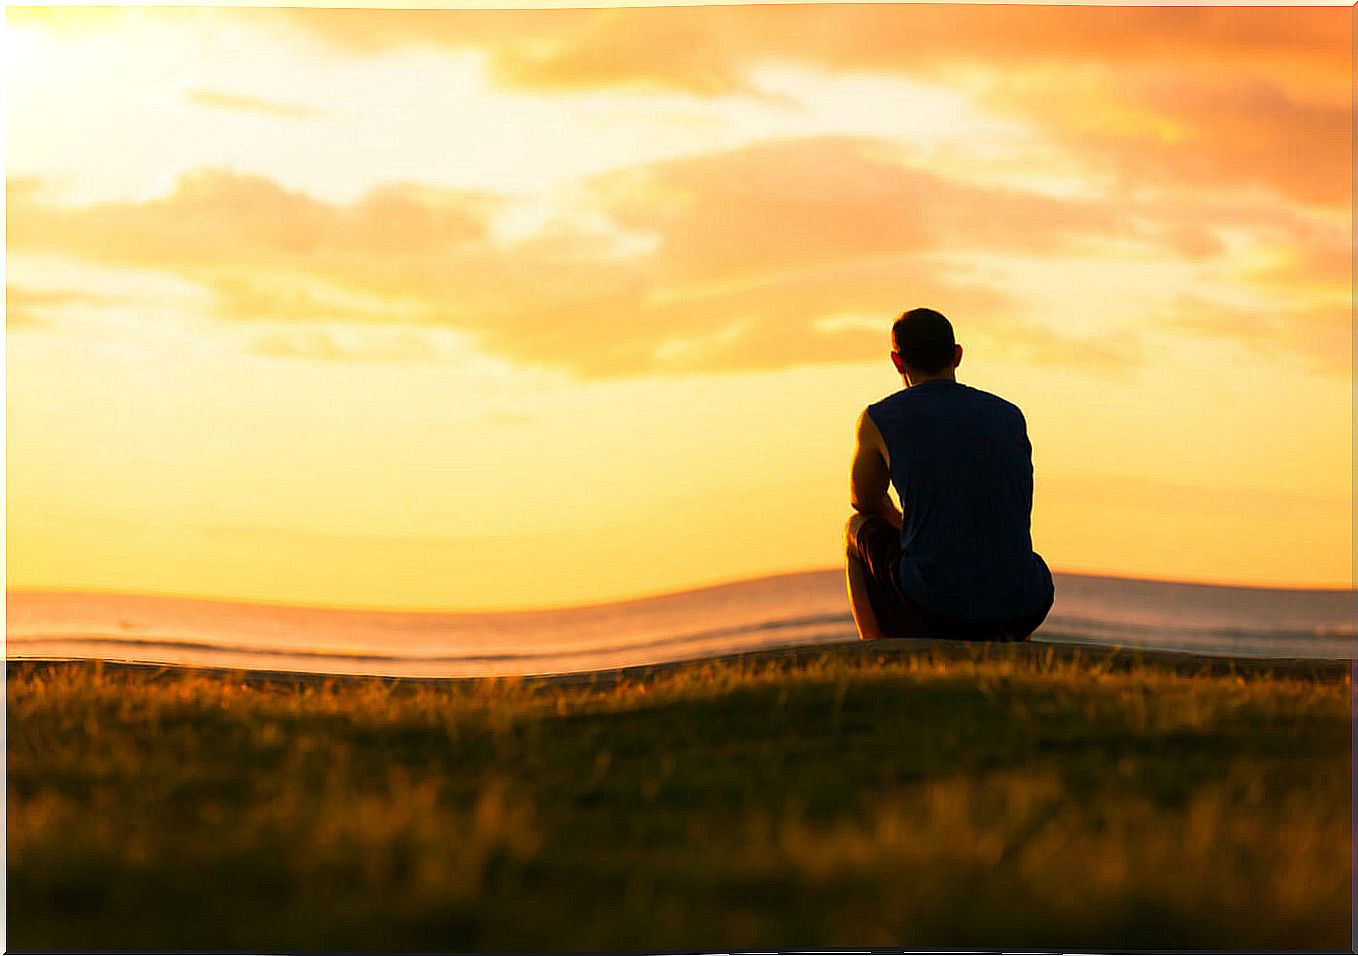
[611,602]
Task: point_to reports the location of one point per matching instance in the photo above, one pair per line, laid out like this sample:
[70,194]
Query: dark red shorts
[879,547]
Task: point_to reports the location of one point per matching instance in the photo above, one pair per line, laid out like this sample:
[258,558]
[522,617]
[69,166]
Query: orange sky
[503,308]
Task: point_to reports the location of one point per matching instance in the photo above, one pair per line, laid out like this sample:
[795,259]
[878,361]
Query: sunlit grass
[953,797]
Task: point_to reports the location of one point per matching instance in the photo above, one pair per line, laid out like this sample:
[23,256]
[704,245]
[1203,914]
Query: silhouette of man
[956,560]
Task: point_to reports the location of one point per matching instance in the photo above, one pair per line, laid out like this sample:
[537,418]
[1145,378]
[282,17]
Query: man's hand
[870,474]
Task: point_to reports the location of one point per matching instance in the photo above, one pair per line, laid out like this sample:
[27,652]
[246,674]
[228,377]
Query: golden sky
[505,308]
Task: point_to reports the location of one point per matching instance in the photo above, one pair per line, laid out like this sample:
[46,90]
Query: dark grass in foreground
[889,796]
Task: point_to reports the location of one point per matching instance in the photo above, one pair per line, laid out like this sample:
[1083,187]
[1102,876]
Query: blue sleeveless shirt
[962,466]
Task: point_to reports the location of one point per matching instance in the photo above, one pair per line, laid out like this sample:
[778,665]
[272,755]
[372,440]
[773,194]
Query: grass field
[890,796]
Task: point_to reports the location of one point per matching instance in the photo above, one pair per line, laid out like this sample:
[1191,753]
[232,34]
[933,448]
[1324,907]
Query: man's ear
[956,356]
[897,361]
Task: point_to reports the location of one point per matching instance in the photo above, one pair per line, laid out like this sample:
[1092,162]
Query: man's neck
[911,381]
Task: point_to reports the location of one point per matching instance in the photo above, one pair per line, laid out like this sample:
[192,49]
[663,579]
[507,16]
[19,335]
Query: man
[956,560]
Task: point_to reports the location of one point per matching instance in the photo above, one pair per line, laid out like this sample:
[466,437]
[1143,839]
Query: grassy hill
[889,795]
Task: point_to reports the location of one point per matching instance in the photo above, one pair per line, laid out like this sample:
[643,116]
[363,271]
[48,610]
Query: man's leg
[998,629]
[856,576]
[1024,627]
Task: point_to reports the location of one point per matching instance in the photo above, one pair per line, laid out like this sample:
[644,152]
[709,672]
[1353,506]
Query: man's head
[923,347]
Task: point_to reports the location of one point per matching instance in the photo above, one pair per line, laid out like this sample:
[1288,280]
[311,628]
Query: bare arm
[870,476]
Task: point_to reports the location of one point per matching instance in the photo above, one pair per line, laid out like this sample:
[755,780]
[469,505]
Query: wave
[184,644]
[764,613]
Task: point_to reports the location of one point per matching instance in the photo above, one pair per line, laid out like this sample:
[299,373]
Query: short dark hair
[924,339]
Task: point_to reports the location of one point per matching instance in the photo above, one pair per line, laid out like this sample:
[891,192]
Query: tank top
[962,466]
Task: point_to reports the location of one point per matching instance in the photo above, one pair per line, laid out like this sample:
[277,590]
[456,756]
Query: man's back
[961,464]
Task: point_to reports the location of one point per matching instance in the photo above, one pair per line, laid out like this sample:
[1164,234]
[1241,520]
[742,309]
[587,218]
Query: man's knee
[851,529]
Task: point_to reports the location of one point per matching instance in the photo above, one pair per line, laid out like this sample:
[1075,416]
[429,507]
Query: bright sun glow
[23,46]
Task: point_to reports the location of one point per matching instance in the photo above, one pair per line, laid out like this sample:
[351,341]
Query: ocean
[780,611]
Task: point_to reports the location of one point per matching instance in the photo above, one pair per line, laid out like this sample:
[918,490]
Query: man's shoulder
[990,398]
[886,401]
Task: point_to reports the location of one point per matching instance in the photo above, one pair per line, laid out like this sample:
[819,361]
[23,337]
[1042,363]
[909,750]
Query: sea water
[781,611]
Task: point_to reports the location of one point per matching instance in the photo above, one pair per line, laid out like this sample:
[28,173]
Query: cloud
[768,324]
[76,21]
[750,252]
[1211,134]
[218,226]
[248,104]
[1321,335]
[24,307]
[793,204]
[561,298]
[706,48]
[1289,293]
[1176,96]
[327,343]
[1189,96]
